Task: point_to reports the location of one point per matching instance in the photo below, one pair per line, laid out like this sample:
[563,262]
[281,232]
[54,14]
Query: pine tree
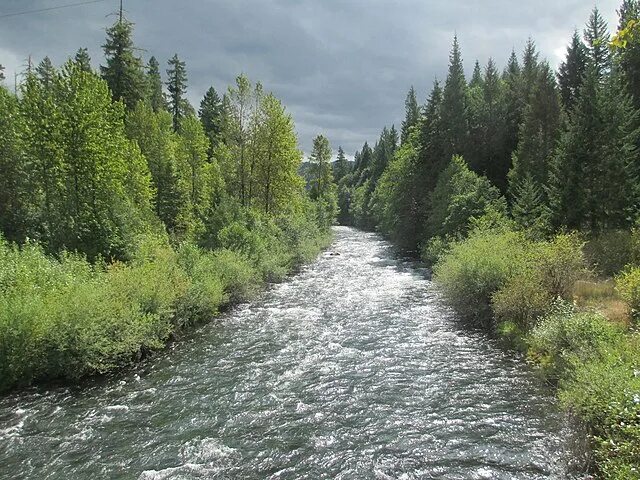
[538,133]
[594,173]
[454,105]
[529,209]
[514,103]
[341,166]
[412,114]
[431,158]
[46,73]
[596,37]
[496,161]
[155,95]
[628,58]
[476,77]
[83,60]
[12,180]
[530,67]
[177,87]
[124,71]
[572,70]
[2,77]
[211,115]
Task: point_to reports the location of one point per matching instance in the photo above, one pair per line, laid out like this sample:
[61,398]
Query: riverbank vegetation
[520,187]
[125,215]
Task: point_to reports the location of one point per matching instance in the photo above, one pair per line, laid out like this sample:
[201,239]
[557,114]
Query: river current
[352,369]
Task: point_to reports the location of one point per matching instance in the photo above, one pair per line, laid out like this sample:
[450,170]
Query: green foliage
[547,271]
[472,271]
[610,251]
[177,88]
[604,391]
[124,71]
[566,338]
[628,286]
[459,196]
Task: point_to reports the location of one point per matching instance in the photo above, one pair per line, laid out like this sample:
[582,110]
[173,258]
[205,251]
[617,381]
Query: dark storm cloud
[342,67]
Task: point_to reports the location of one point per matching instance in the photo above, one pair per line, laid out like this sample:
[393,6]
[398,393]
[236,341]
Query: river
[352,369]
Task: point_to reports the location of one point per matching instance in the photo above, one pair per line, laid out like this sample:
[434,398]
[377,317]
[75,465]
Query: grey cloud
[342,67]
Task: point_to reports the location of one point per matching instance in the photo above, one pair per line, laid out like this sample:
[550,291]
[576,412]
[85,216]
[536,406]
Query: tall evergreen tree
[529,69]
[12,186]
[46,73]
[596,37]
[83,60]
[514,103]
[496,159]
[211,115]
[177,87]
[155,95]
[341,166]
[124,71]
[454,105]
[412,114]
[476,77]
[628,58]
[538,133]
[572,70]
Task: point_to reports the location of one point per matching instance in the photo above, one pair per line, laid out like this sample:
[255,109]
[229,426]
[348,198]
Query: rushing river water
[353,369]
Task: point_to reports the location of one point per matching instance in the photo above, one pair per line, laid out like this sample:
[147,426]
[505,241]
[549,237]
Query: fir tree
[124,71]
[412,114]
[454,105]
[476,77]
[155,95]
[514,103]
[211,115]
[341,166]
[572,70]
[177,87]
[596,37]
[628,58]
[83,60]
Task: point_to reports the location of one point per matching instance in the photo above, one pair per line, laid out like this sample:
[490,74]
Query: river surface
[352,369]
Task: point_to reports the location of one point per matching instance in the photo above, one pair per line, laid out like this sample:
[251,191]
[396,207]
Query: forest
[126,215]
[520,188]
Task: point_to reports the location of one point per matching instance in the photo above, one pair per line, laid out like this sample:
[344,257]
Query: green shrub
[472,271]
[609,252]
[628,286]
[434,249]
[566,336]
[604,391]
[547,271]
[239,277]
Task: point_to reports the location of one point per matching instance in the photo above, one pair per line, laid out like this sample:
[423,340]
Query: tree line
[548,150]
[91,159]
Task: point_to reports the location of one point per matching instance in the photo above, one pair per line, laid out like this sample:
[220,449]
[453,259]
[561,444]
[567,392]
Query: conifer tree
[538,133]
[514,103]
[12,180]
[628,58]
[211,115]
[46,73]
[496,161]
[341,167]
[412,114]
[454,105]
[476,77]
[529,208]
[431,158]
[572,70]
[124,71]
[2,77]
[83,60]
[177,87]
[155,95]
[596,37]
[529,69]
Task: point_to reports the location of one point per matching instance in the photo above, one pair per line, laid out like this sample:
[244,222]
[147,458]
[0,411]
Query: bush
[609,252]
[604,391]
[472,271]
[566,337]
[548,270]
[628,286]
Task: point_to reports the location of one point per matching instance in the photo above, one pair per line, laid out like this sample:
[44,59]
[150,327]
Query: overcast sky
[342,67]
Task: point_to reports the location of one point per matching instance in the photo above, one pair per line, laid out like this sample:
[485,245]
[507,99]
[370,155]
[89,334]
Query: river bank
[354,368]
[545,298]
[64,319]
